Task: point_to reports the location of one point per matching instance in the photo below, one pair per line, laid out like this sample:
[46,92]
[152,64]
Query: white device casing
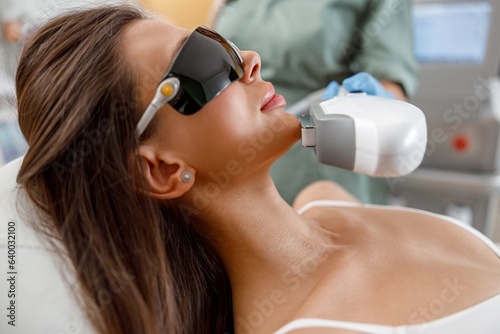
[390,135]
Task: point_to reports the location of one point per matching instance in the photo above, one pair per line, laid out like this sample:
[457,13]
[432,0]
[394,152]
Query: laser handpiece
[371,135]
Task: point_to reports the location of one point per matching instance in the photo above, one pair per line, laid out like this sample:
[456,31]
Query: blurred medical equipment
[12,143]
[457,46]
[371,135]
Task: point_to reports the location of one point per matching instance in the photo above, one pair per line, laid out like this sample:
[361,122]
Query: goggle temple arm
[165,92]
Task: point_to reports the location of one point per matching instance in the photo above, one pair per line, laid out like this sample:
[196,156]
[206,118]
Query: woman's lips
[272,100]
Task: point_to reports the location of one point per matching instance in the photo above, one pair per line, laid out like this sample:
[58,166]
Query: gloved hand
[361,82]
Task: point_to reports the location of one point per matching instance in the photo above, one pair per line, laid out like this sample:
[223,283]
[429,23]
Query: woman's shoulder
[410,219]
[334,209]
[394,257]
[322,191]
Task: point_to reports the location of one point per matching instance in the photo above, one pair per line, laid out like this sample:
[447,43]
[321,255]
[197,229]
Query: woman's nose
[251,66]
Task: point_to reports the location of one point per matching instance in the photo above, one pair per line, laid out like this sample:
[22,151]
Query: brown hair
[77,111]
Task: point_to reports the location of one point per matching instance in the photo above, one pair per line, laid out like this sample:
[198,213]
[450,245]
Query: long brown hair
[78,113]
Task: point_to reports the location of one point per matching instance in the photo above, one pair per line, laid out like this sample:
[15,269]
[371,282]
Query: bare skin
[416,263]
[355,264]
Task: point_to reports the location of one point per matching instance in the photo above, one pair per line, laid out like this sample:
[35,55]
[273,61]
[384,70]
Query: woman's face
[245,124]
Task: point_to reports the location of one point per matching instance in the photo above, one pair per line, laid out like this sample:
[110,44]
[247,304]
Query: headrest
[16,206]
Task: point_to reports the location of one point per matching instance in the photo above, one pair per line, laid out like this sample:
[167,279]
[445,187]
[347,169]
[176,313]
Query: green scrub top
[305,44]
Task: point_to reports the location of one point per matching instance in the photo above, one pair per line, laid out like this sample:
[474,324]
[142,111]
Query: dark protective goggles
[205,65]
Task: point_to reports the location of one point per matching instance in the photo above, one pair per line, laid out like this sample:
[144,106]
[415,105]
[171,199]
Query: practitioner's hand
[365,82]
[361,82]
[331,90]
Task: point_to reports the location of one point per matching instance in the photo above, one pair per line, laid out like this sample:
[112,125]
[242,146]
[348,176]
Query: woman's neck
[267,248]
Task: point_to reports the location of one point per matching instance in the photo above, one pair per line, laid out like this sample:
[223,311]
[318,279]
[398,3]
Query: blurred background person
[12,143]
[12,17]
[17,20]
[305,45]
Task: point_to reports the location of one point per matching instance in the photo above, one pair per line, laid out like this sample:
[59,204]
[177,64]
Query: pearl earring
[187,176]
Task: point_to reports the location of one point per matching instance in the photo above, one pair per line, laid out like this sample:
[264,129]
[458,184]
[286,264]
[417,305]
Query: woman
[164,191]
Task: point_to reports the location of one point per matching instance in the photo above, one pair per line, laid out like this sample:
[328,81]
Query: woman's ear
[166,176]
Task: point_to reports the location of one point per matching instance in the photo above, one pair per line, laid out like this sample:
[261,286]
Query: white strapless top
[482,318]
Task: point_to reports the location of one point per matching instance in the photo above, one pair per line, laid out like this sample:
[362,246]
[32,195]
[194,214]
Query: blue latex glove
[361,82]
[331,90]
